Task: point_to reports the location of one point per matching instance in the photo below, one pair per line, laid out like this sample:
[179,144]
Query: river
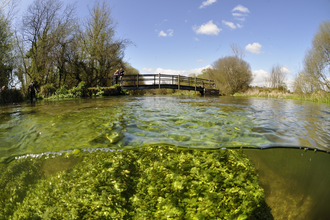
[295,180]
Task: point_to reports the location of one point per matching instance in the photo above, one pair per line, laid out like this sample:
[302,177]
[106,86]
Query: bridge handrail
[166,79]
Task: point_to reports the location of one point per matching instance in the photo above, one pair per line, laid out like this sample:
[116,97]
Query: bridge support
[195,85]
[178,82]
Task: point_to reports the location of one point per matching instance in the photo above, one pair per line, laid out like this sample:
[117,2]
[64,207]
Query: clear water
[295,181]
[180,121]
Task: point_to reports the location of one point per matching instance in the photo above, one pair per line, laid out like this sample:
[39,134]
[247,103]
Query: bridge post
[195,85]
[155,79]
[178,82]
[137,81]
[209,84]
[159,80]
[172,79]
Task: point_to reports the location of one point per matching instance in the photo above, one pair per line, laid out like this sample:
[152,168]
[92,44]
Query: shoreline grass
[318,96]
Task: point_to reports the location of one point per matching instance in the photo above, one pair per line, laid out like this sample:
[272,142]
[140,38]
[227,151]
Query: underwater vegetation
[147,183]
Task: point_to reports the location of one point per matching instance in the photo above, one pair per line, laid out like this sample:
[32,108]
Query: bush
[124,92]
[78,91]
[47,90]
[63,90]
[149,183]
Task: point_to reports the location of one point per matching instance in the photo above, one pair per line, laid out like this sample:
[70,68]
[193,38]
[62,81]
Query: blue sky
[186,36]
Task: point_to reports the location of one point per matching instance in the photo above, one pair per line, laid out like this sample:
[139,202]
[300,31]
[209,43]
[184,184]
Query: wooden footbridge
[165,81]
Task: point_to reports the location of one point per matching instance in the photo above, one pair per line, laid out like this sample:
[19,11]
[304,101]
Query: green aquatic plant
[15,180]
[124,92]
[149,183]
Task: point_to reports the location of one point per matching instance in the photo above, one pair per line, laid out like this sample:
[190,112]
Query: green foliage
[116,86]
[75,92]
[231,73]
[148,183]
[78,91]
[124,92]
[63,90]
[47,90]
[100,91]
[15,180]
[316,63]
[178,184]
[6,57]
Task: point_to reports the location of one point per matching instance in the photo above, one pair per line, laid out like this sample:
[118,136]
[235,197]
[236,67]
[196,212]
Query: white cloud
[285,70]
[229,24]
[196,39]
[208,28]
[162,34]
[175,72]
[201,61]
[240,19]
[254,48]
[289,82]
[207,2]
[239,26]
[259,77]
[148,70]
[241,8]
[238,14]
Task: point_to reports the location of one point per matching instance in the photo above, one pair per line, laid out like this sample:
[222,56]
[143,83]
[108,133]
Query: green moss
[150,183]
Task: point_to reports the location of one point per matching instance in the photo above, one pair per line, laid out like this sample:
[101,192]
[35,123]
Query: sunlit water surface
[180,121]
[295,181]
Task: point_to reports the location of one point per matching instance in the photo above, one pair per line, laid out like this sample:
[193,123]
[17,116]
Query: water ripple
[130,122]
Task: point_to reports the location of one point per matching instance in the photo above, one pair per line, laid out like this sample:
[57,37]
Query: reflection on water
[130,122]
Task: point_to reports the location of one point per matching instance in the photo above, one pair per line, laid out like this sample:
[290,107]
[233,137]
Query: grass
[317,96]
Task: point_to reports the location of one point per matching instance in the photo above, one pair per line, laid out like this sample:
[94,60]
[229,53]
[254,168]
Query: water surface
[128,122]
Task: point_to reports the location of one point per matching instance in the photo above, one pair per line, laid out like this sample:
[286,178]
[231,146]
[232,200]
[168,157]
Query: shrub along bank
[147,183]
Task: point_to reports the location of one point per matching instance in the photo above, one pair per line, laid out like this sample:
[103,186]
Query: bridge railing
[165,79]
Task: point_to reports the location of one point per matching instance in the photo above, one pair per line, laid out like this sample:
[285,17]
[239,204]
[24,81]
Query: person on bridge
[121,75]
[115,76]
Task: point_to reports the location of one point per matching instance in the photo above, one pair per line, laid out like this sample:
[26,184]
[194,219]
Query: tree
[277,77]
[55,49]
[302,83]
[47,29]
[101,51]
[7,52]
[231,73]
[317,59]
[6,57]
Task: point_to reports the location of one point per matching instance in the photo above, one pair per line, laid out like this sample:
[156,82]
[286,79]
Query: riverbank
[318,96]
